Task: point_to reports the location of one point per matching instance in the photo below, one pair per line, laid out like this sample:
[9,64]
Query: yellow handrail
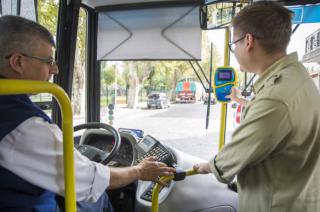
[29,87]
[223,118]
[157,187]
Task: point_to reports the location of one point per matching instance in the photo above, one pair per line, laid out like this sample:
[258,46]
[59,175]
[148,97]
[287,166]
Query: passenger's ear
[249,39]
[16,63]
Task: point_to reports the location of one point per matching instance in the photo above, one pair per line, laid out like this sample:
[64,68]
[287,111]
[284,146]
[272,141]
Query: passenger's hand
[151,170]
[202,168]
[233,95]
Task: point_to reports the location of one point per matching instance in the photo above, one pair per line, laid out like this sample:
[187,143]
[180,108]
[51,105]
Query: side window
[26,8]
[48,17]
[79,74]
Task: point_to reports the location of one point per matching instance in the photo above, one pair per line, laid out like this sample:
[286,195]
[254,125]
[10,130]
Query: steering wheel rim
[114,132]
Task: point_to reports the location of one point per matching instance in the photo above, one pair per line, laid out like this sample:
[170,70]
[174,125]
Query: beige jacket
[275,151]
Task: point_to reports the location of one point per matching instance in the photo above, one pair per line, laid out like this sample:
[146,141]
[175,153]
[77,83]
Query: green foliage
[108,75]
[157,79]
[109,71]
[48,14]
[165,74]
[48,17]
[125,74]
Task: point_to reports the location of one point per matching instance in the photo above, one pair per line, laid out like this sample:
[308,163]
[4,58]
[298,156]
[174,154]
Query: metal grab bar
[165,179]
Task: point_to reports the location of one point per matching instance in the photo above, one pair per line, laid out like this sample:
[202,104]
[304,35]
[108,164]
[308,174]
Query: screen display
[134,132]
[147,143]
[225,75]
[138,133]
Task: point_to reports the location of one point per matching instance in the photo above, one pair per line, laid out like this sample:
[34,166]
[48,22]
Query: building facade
[312,55]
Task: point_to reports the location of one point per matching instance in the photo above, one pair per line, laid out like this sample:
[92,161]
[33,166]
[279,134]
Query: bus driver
[31,166]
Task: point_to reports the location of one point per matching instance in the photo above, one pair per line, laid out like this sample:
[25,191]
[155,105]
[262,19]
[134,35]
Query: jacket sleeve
[265,126]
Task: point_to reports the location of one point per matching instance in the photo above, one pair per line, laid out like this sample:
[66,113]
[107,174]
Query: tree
[206,54]
[108,75]
[80,64]
[48,17]
[138,72]
[107,79]
[175,71]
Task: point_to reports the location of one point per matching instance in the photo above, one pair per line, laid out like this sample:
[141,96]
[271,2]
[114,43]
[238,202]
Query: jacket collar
[274,69]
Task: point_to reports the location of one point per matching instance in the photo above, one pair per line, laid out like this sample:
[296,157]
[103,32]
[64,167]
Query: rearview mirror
[216,15]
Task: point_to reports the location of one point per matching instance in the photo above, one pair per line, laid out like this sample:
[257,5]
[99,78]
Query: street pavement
[181,126]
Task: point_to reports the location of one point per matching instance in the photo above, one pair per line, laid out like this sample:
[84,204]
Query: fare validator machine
[224,79]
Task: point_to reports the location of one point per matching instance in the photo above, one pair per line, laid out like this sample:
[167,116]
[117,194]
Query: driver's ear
[16,62]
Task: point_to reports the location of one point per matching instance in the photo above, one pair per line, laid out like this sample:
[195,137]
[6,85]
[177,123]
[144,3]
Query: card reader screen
[147,143]
[225,75]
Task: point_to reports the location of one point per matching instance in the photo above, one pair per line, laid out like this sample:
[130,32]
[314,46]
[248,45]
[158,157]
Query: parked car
[158,100]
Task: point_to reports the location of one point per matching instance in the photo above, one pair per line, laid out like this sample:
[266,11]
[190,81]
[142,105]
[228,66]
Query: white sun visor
[150,34]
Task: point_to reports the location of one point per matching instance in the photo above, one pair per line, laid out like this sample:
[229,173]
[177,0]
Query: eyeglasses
[232,45]
[49,61]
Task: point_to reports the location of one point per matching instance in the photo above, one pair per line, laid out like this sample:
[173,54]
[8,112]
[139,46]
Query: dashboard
[104,141]
[176,196]
[126,153]
[133,149]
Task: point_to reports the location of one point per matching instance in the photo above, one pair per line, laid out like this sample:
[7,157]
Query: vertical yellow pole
[224,105]
[222,125]
[226,47]
[157,187]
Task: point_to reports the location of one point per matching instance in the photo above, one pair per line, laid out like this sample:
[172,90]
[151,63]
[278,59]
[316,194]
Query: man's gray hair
[18,34]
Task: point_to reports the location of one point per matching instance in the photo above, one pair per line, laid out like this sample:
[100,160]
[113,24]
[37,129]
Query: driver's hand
[151,170]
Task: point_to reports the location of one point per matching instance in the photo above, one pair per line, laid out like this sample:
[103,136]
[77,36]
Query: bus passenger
[274,153]
[31,149]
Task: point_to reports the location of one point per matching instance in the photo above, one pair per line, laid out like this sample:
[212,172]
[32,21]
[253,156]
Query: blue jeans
[102,205]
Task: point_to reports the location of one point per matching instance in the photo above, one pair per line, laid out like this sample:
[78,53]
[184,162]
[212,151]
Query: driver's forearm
[120,177]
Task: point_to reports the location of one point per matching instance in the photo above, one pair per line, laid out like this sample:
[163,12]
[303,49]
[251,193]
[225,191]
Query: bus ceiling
[129,4]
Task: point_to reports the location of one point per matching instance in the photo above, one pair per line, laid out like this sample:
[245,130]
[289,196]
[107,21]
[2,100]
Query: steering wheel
[94,153]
